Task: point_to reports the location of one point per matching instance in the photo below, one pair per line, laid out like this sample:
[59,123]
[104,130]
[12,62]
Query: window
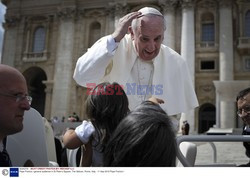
[39,40]
[247,24]
[94,33]
[36,39]
[207,65]
[207,32]
[207,27]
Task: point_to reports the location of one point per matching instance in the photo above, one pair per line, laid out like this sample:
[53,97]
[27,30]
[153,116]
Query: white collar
[247,128]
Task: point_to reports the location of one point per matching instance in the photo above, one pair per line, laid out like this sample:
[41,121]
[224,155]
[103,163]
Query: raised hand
[123,25]
[156,100]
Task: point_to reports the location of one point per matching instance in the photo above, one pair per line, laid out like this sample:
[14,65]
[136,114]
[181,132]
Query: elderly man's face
[148,37]
[243,105]
[11,112]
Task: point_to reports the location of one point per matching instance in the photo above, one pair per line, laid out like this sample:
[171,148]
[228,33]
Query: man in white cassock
[140,62]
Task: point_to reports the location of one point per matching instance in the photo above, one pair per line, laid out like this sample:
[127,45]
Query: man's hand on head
[123,24]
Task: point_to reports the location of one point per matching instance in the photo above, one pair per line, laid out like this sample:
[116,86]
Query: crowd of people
[140,84]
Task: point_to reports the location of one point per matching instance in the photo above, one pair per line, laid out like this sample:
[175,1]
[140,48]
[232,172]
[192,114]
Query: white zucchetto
[149,10]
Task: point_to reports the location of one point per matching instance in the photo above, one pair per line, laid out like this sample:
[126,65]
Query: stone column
[226,41]
[48,24]
[110,20]
[169,16]
[240,5]
[188,49]
[80,101]
[48,99]
[227,108]
[63,66]
[10,40]
[27,40]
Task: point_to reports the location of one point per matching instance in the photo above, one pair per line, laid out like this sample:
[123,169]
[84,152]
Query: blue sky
[2,12]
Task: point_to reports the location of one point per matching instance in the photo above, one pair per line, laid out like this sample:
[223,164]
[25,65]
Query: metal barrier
[214,151]
[207,138]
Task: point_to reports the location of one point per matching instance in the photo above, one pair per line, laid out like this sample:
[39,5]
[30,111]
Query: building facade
[44,39]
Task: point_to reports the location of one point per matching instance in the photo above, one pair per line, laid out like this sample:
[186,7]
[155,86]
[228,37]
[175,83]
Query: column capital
[110,10]
[167,5]
[120,9]
[80,13]
[66,13]
[187,4]
[207,4]
[225,3]
[11,21]
[94,13]
[49,85]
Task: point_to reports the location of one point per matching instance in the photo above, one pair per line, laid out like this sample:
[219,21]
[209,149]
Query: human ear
[131,32]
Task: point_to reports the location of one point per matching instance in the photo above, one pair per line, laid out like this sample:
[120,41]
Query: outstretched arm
[91,67]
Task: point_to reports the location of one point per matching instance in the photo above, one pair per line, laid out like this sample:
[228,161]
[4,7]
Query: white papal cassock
[167,75]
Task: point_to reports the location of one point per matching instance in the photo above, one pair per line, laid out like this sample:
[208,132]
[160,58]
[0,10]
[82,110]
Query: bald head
[8,70]
[12,86]
[9,75]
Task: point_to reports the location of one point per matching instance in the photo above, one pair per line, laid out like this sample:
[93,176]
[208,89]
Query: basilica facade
[44,39]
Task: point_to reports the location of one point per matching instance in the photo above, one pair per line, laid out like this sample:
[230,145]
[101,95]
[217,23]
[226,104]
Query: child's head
[144,138]
[106,106]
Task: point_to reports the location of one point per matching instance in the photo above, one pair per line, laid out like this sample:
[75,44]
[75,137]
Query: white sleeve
[90,67]
[84,131]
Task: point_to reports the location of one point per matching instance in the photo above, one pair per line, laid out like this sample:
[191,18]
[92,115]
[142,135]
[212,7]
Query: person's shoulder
[171,54]
[169,50]
[246,130]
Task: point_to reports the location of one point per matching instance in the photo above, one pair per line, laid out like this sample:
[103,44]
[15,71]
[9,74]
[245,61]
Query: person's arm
[86,152]
[90,68]
[75,138]
[71,140]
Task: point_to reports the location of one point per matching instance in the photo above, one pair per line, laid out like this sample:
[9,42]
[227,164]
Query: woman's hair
[144,138]
[106,106]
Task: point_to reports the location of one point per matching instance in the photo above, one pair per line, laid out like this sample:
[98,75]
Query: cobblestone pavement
[227,153]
